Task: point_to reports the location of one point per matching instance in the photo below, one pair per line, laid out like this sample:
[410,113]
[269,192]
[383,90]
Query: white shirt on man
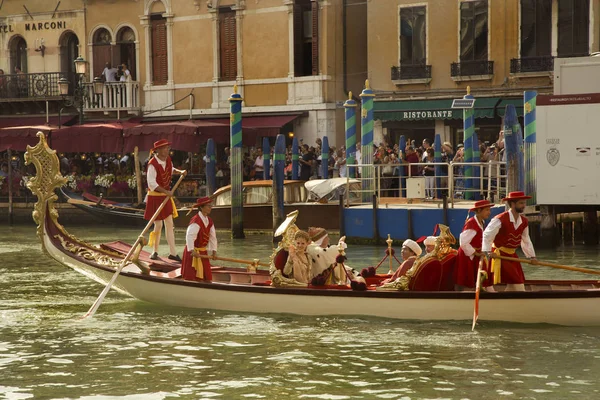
[109,74]
[259,164]
[465,240]
[151,177]
[489,234]
[192,233]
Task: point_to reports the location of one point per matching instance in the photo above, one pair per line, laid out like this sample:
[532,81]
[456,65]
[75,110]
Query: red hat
[516,196]
[481,204]
[160,143]
[202,201]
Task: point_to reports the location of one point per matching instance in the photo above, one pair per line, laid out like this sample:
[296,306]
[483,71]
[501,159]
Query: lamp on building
[80,94]
[80,66]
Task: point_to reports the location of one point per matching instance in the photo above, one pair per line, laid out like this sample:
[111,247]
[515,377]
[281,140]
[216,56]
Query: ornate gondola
[257,291]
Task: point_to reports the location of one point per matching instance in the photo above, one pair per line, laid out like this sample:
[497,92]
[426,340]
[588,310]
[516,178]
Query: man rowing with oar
[200,240]
[159,172]
[505,233]
[467,263]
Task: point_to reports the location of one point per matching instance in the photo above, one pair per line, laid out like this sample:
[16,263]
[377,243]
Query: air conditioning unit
[415,188]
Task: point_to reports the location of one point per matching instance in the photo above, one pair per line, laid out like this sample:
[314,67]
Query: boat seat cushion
[280,259]
[428,278]
[447,278]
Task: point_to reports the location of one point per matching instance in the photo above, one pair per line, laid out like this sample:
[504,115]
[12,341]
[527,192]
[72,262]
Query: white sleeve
[526,244]
[151,177]
[190,235]
[212,240]
[465,242]
[489,234]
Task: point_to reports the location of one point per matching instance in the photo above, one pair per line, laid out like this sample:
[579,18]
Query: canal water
[133,350]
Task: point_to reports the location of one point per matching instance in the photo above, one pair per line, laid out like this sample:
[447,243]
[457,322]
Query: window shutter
[315,37]
[228,44]
[160,67]
[298,41]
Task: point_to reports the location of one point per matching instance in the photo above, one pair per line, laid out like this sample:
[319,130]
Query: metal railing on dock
[393,182]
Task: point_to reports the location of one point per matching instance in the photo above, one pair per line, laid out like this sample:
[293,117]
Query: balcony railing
[471,68]
[571,55]
[531,64]
[36,86]
[116,96]
[411,71]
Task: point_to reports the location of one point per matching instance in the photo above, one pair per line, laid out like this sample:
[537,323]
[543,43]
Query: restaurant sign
[447,114]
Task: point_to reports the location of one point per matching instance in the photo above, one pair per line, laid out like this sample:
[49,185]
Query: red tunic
[510,238]
[163,179]
[466,269]
[188,272]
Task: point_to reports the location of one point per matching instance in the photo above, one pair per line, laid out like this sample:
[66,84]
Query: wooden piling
[548,231]
[590,227]
[278,178]
[375,222]
[10,189]
[342,216]
[138,175]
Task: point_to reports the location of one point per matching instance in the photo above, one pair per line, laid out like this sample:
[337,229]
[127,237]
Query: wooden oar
[547,264]
[111,206]
[236,260]
[477,291]
[138,242]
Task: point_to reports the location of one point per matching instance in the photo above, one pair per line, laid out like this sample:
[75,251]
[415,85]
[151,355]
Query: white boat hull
[576,308]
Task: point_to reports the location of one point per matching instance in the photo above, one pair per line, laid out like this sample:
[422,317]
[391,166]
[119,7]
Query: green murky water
[134,350]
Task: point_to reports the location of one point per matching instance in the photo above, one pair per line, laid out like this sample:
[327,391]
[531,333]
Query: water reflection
[135,350]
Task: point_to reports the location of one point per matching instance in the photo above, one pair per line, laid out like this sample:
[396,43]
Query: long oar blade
[477,291]
[139,240]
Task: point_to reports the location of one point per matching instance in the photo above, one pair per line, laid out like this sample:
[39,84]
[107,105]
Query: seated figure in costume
[505,233]
[410,251]
[428,273]
[467,264]
[324,258]
[429,243]
[298,265]
[200,239]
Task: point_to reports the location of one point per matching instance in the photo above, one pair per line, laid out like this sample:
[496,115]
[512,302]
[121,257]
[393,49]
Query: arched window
[126,50]
[101,50]
[18,55]
[69,51]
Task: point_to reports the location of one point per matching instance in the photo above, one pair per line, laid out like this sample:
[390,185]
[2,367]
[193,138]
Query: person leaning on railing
[429,173]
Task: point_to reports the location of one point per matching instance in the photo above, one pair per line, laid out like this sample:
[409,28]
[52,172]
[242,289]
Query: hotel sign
[36,26]
[45,26]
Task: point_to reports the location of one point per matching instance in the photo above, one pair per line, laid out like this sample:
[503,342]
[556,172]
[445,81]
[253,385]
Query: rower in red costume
[200,239]
[470,240]
[159,172]
[505,233]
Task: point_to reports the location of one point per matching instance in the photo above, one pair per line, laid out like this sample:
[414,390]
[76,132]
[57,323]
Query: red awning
[217,131]
[256,127]
[35,121]
[89,138]
[19,137]
[183,135]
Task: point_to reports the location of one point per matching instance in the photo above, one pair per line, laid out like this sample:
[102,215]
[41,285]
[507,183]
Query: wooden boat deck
[239,276]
